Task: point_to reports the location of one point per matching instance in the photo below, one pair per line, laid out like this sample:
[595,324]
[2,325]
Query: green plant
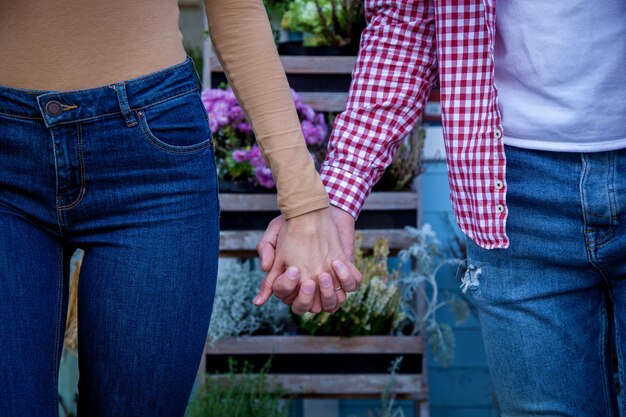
[275,11]
[242,392]
[421,294]
[395,302]
[388,400]
[373,309]
[233,311]
[327,22]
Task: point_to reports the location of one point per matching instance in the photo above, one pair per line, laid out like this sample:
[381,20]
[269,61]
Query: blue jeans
[553,304]
[126,173]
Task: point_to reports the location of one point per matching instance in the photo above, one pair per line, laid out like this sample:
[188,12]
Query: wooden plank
[248,202]
[318,344]
[345,386]
[307,64]
[239,240]
[245,241]
[388,200]
[318,64]
[326,102]
[267,202]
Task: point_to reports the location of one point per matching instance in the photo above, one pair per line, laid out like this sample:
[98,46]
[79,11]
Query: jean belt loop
[122,98]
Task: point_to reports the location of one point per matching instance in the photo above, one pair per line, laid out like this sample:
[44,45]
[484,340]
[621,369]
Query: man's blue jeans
[553,304]
[125,172]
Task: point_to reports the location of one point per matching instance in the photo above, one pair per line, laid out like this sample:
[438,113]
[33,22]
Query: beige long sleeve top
[76,44]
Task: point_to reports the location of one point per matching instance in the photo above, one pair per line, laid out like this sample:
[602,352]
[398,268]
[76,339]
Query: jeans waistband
[121,98]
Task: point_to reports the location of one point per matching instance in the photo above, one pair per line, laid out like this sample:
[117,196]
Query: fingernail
[292,273]
[256,300]
[326,281]
[339,265]
[308,288]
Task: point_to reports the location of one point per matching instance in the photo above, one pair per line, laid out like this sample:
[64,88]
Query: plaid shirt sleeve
[394,72]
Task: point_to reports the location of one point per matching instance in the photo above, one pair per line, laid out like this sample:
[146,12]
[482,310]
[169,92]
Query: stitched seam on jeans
[601,216]
[588,242]
[620,363]
[56,170]
[612,197]
[145,129]
[181,152]
[21,117]
[81,164]
[603,356]
[606,240]
[57,336]
[64,122]
[165,99]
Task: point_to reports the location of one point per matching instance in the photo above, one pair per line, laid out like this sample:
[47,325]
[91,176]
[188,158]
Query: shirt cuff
[345,190]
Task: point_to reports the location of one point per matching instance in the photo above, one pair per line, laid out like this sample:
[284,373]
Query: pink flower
[240,155]
[244,127]
[228,122]
[264,177]
[255,157]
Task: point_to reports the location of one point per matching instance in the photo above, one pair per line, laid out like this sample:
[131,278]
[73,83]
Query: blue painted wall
[464,388]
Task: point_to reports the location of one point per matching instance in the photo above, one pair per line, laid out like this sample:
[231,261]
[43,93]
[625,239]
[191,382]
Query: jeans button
[54,108]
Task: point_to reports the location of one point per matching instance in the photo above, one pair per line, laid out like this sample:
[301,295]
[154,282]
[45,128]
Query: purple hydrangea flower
[264,177]
[224,111]
[244,127]
[255,157]
[240,155]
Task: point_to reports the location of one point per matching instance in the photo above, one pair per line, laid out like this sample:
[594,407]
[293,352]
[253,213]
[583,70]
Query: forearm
[395,70]
[244,44]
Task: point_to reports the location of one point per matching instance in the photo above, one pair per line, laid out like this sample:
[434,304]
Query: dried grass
[71,325]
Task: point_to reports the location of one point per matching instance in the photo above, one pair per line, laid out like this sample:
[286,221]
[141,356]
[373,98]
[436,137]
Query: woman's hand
[306,263]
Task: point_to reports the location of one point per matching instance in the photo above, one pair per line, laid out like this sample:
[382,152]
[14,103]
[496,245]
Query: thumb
[266,248]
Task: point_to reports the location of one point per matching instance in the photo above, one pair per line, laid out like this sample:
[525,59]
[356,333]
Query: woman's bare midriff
[76,44]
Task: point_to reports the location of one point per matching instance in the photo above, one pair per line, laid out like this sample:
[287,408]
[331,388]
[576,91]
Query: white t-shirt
[560,71]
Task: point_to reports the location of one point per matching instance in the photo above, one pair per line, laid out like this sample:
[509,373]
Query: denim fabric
[552,305]
[126,173]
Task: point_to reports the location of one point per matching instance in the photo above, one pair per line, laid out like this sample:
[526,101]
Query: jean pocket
[179,125]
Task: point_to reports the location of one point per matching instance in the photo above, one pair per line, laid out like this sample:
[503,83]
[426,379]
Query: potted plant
[240,165]
[239,392]
[329,27]
[346,353]
[275,10]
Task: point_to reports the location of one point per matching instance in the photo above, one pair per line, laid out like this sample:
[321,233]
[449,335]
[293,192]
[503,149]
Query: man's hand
[299,290]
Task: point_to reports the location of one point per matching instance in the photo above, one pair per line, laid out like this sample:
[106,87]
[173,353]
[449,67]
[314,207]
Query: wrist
[309,220]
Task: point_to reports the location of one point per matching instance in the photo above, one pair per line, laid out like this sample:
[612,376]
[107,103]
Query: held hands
[307,260]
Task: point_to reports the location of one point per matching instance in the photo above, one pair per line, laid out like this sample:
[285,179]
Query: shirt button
[54,108]
[500,208]
[497,134]
[499,184]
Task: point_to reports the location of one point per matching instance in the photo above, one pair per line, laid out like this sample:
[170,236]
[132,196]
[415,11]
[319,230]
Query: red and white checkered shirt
[406,47]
